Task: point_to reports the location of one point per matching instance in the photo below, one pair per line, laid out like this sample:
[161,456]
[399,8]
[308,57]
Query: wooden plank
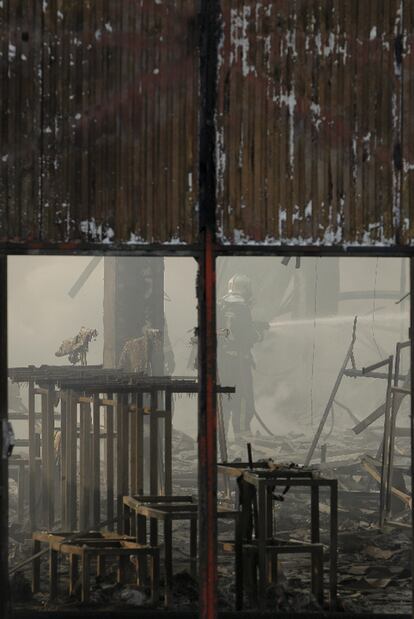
[50,463]
[63,457]
[153,446]
[120,447]
[133,448]
[168,442]
[45,460]
[109,414]
[73,464]
[96,466]
[140,445]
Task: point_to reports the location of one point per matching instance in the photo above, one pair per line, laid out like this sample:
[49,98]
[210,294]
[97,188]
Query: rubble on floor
[373,564]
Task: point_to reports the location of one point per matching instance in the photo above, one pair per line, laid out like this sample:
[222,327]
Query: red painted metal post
[206,289]
[207,427]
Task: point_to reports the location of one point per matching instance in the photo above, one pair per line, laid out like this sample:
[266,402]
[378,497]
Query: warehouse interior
[105,448]
[206,266]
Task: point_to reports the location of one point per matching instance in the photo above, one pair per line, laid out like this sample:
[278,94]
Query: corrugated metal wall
[310,121]
[99,121]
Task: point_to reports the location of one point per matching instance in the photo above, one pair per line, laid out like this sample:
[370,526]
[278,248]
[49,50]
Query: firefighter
[237,336]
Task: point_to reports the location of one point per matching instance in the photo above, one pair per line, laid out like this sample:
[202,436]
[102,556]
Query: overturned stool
[86,547]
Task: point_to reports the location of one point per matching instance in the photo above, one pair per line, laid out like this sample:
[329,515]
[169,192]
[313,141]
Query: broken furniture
[394,395]
[263,481]
[138,509]
[85,547]
[165,509]
[85,407]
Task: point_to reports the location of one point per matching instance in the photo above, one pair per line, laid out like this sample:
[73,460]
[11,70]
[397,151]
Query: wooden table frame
[85,547]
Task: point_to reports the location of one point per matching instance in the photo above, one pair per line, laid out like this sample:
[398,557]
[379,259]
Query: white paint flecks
[101,233]
[221,160]
[282,220]
[289,99]
[98,35]
[12,52]
[308,209]
[407,166]
[239,39]
[367,146]
[315,109]
[220,48]
[373,33]
[290,39]
[330,48]
[108,26]
[107,235]
[384,42]
[296,214]
[134,239]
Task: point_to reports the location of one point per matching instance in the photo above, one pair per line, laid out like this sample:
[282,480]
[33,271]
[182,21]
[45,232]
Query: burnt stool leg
[261,544]
[155,577]
[122,565]
[73,572]
[250,574]
[127,520]
[100,565]
[317,573]
[53,572]
[238,557]
[36,567]
[168,560]
[86,560]
[21,492]
[273,559]
[141,527]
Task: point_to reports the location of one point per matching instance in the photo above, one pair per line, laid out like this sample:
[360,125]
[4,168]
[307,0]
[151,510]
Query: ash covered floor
[373,564]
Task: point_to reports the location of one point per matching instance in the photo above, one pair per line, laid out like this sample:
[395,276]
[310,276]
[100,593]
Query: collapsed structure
[203,130]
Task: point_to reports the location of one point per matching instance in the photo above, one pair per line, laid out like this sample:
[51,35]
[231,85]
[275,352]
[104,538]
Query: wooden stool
[166,509]
[84,549]
[274,548]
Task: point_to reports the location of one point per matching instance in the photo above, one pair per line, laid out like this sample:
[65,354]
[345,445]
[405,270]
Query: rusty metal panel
[309,122]
[407,206]
[99,105]
[99,121]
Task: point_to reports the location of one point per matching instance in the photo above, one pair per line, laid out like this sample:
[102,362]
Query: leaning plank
[405,498]
[376,414]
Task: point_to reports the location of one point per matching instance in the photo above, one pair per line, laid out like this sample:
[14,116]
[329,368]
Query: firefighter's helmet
[241,285]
